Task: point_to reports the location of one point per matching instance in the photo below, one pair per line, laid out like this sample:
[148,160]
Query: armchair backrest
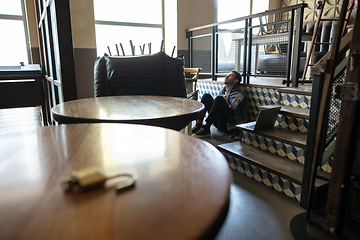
[156,74]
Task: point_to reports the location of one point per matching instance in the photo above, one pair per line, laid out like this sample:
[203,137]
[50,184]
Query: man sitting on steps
[229,103]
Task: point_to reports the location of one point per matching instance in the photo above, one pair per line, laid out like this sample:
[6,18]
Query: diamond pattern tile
[279,184]
[293,100]
[276,147]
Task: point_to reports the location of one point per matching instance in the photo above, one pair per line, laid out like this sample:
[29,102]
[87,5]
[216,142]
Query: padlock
[93,177]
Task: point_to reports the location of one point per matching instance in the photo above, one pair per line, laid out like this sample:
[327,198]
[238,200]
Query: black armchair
[156,74]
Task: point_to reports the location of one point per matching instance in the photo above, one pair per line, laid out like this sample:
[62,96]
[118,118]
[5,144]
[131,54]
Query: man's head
[232,78]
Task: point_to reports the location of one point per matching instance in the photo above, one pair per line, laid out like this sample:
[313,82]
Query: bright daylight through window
[226,48]
[118,21]
[13,47]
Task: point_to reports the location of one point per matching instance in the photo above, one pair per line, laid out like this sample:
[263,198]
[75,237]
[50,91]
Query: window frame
[23,18]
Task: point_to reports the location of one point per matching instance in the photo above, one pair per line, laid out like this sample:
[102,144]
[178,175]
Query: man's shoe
[196,128]
[203,132]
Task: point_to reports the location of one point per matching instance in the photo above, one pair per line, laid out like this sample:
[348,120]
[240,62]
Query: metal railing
[253,48]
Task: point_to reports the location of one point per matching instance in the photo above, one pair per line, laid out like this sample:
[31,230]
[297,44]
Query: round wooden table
[170,112]
[182,190]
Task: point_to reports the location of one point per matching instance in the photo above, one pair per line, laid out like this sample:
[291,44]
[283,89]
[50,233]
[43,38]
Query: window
[118,21]
[230,9]
[13,26]
[227,10]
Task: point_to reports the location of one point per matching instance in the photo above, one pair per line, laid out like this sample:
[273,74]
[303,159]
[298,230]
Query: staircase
[275,156]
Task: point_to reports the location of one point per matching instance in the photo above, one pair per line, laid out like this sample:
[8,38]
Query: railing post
[245,50]
[214,47]
[317,89]
[249,52]
[289,48]
[190,47]
[297,42]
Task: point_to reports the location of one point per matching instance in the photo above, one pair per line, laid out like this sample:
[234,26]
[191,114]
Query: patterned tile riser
[281,149]
[294,100]
[292,123]
[257,97]
[275,147]
[279,184]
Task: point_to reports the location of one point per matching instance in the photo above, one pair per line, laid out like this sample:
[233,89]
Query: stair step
[282,167]
[294,138]
[296,90]
[293,111]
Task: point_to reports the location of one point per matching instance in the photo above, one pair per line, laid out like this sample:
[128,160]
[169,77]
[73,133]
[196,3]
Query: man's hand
[226,97]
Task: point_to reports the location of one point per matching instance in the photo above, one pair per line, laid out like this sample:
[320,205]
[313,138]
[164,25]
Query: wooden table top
[182,190]
[169,112]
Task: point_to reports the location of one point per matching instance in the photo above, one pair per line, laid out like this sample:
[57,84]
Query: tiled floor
[255,212]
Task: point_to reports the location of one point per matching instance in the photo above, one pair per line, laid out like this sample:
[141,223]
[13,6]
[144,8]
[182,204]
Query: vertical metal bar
[216,64]
[245,50]
[163,21]
[289,48]
[297,42]
[317,89]
[249,53]
[287,18]
[190,46]
[213,52]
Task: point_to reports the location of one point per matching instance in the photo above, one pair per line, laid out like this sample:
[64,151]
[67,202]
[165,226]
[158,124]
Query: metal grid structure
[334,108]
[269,52]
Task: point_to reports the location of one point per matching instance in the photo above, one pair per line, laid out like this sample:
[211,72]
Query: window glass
[13,46]
[227,10]
[132,16]
[134,11]
[230,9]
[12,7]
[109,35]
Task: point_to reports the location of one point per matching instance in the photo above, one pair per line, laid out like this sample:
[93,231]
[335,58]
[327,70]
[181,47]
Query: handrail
[266,13]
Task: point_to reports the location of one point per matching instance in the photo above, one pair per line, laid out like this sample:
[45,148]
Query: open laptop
[266,118]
